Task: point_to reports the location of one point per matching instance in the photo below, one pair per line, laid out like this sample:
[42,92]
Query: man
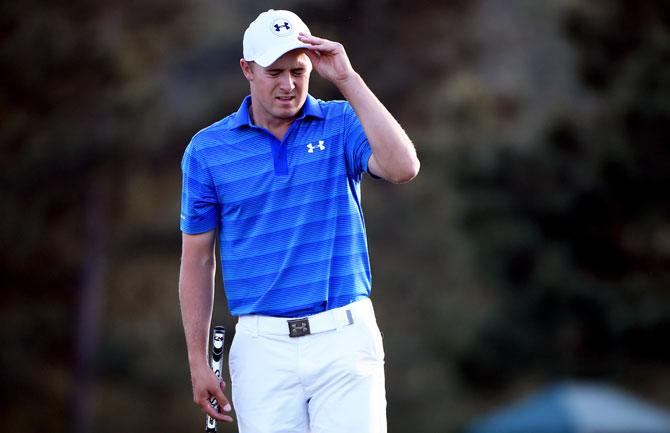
[279,181]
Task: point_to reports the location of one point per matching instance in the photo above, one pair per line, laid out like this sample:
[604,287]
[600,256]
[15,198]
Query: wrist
[198,361]
[349,84]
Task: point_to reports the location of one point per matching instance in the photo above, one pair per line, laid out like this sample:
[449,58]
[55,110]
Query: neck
[276,126]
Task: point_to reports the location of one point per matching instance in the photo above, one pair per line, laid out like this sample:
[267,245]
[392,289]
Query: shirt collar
[310,108]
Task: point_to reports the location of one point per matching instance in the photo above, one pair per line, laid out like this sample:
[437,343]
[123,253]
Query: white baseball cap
[271,35]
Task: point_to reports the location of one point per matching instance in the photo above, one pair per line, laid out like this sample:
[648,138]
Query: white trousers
[331,381]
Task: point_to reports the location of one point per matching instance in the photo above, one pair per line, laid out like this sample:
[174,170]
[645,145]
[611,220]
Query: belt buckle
[298,327]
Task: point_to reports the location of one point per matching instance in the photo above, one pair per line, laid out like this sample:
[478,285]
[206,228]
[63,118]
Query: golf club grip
[216,363]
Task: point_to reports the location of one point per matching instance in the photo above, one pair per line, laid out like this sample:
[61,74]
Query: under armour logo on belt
[320,146]
[298,327]
[285,25]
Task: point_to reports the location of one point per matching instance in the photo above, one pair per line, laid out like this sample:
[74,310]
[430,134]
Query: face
[279,90]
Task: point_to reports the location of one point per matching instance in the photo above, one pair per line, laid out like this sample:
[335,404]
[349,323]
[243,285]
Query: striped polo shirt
[291,230]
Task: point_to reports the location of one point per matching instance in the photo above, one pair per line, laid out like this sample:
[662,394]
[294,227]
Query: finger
[222,405]
[209,410]
[221,398]
[313,56]
[312,40]
[321,45]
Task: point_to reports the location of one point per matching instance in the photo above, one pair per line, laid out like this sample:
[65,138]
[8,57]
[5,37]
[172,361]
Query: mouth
[285,99]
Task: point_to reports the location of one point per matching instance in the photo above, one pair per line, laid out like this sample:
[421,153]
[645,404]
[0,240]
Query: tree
[574,230]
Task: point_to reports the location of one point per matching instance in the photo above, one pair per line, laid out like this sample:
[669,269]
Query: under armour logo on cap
[282,27]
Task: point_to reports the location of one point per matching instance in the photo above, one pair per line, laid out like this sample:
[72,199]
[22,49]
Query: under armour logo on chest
[320,146]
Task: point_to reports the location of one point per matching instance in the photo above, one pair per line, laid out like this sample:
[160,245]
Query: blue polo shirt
[291,230]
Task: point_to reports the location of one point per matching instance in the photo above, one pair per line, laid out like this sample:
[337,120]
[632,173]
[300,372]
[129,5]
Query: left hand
[328,58]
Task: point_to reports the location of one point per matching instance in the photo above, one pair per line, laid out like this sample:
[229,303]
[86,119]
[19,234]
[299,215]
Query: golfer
[278,182]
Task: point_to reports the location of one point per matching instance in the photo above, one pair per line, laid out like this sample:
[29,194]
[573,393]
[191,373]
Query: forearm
[393,151]
[393,154]
[196,297]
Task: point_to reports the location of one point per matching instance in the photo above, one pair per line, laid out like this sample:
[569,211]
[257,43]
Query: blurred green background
[533,246]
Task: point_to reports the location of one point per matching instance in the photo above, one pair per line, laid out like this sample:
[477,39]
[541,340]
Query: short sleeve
[199,203]
[356,143]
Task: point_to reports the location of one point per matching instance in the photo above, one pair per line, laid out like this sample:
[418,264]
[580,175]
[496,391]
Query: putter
[216,363]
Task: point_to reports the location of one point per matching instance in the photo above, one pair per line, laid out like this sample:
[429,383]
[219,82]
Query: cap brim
[271,56]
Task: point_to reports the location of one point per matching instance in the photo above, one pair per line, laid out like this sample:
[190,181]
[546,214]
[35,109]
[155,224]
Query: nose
[286,83]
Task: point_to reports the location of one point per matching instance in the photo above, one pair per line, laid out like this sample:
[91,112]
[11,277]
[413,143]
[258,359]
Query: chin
[286,113]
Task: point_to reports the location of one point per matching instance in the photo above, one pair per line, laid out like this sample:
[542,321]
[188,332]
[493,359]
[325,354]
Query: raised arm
[393,155]
[196,297]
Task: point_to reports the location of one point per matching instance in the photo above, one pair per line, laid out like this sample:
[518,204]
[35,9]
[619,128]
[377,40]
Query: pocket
[233,353]
[378,341]
[371,338]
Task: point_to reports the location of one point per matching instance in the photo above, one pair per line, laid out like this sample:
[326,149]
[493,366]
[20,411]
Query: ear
[247,70]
